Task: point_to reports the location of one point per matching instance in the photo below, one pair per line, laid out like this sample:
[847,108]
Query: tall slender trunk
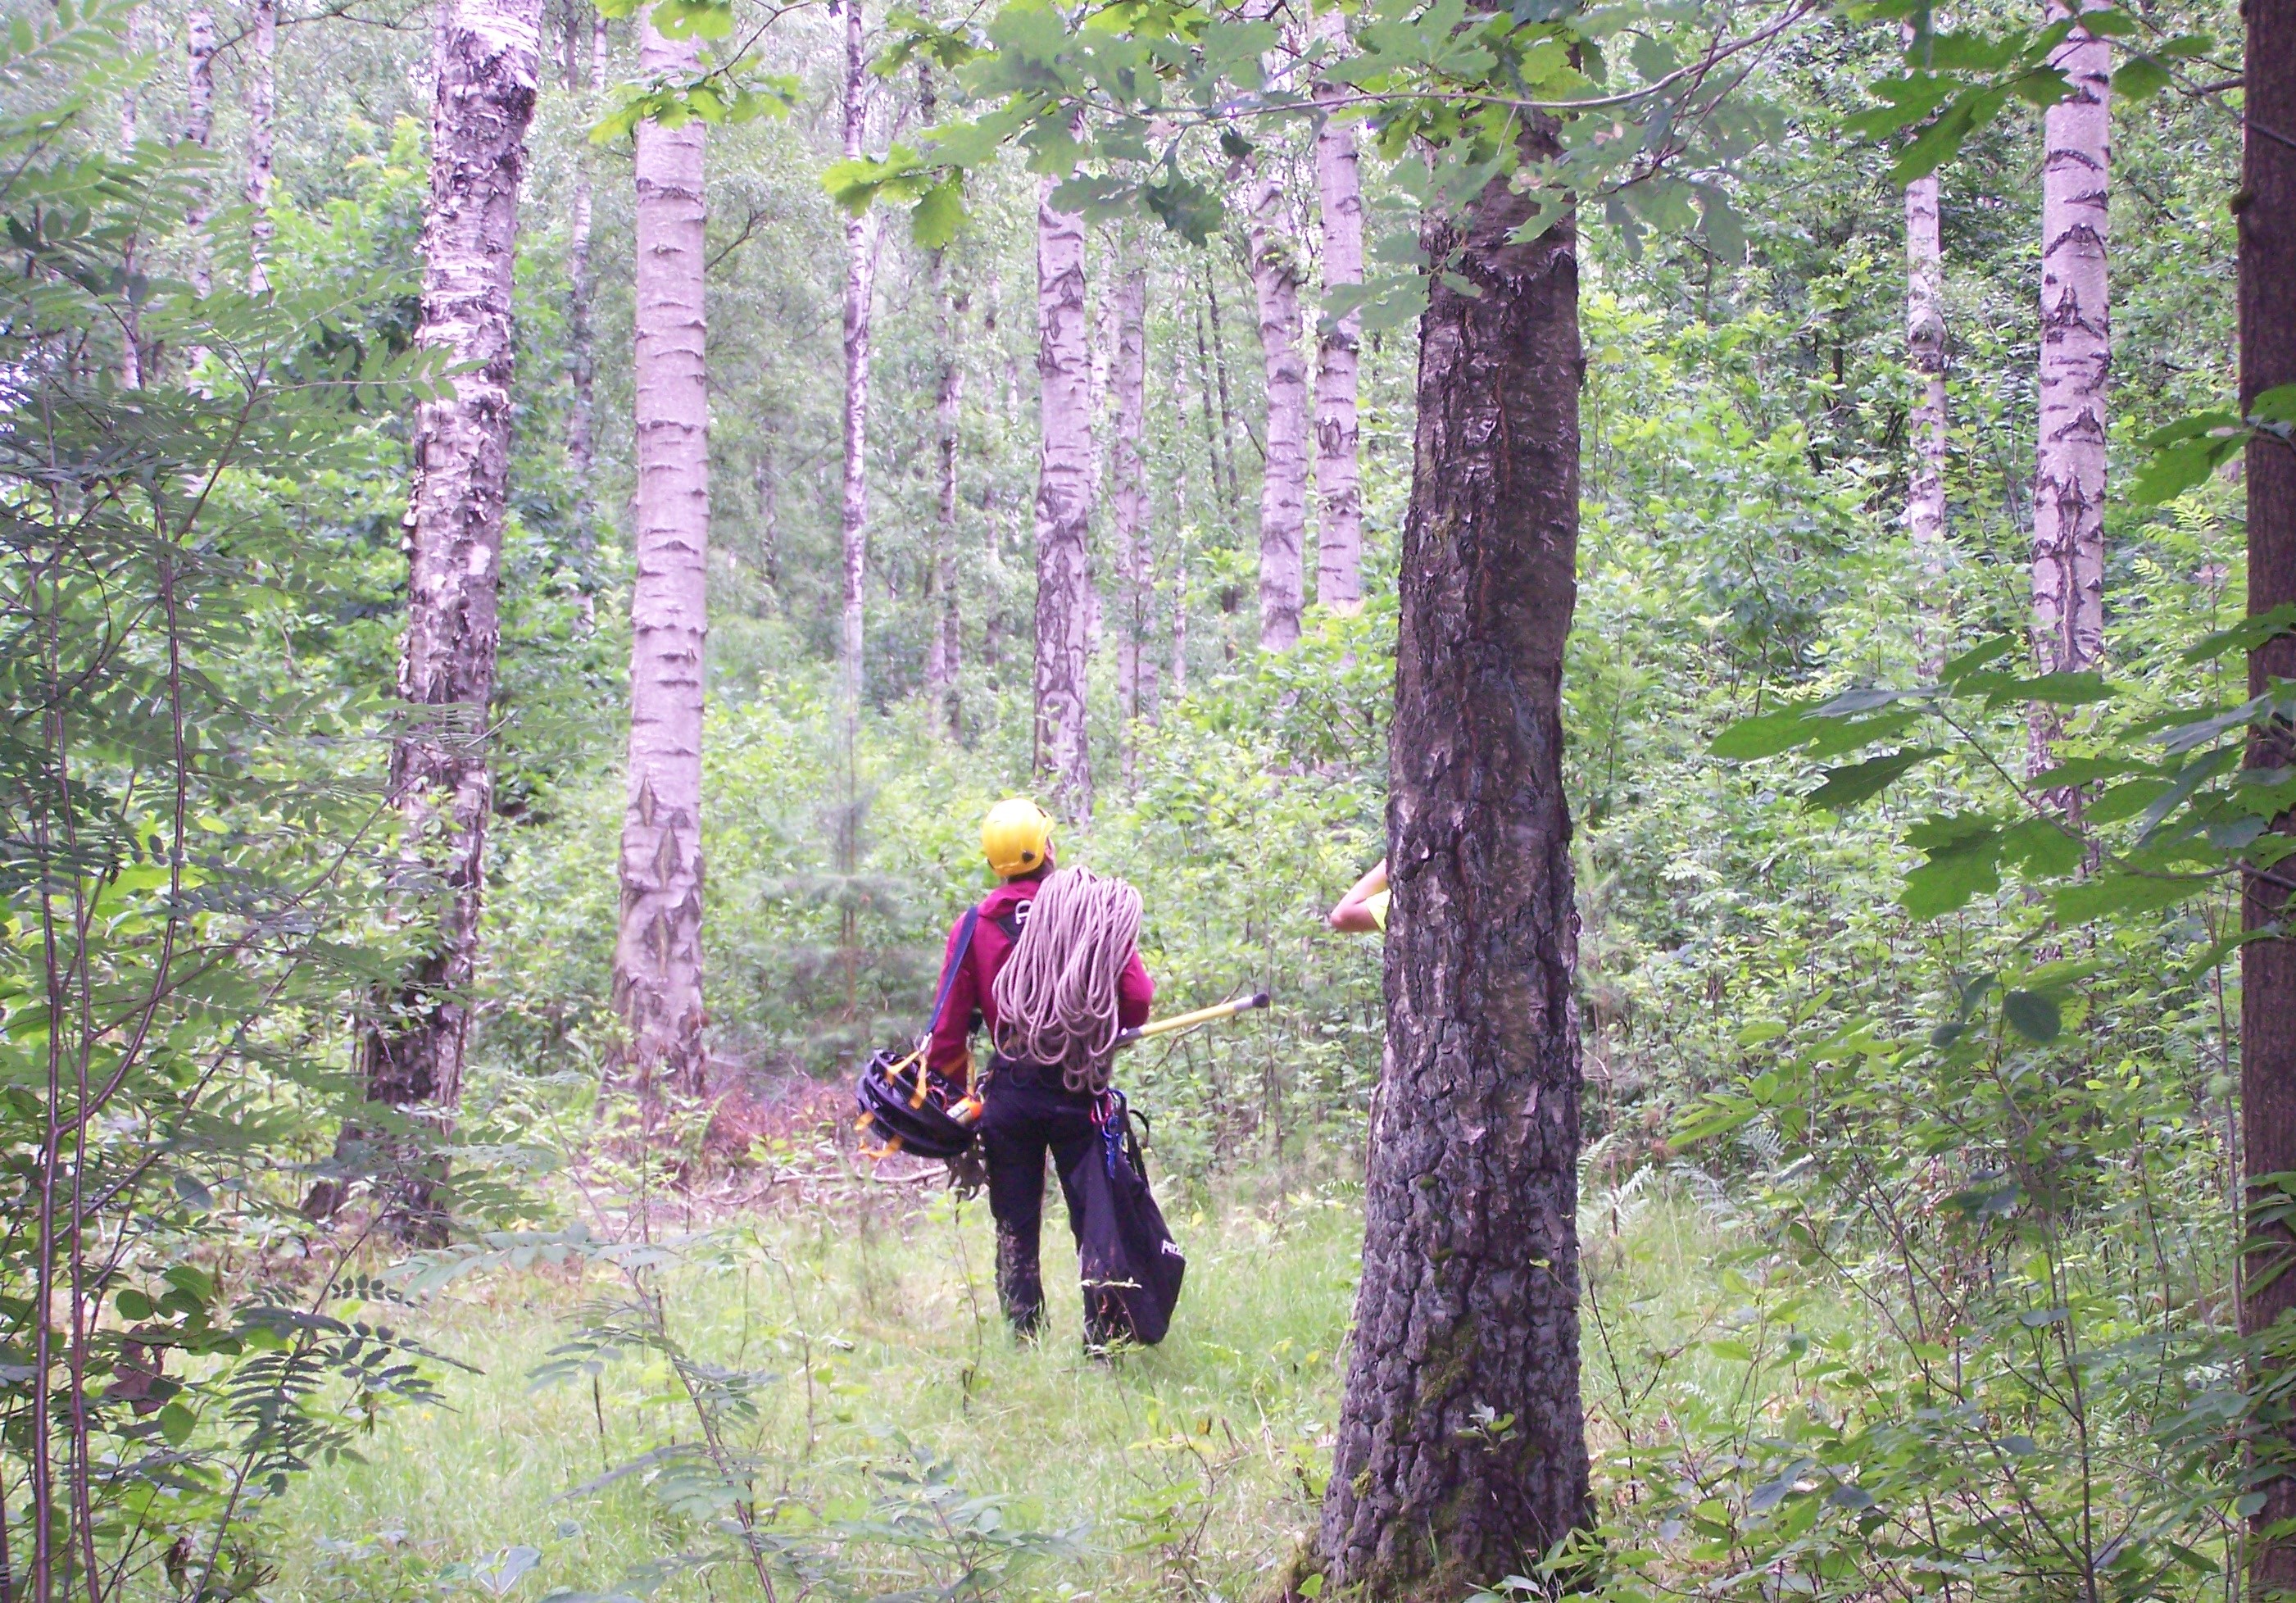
[1135,572]
[658,954]
[1219,371]
[1064,509]
[1212,437]
[263,58]
[2076,362]
[944,648]
[439,782]
[1338,493]
[2266,211]
[767,486]
[1284,483]
[1925,351]
[1469,1303]
[199,124]
[860,283]
[581,449]
[131,352]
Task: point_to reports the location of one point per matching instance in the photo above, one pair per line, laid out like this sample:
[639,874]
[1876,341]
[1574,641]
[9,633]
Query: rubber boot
[1019,1283]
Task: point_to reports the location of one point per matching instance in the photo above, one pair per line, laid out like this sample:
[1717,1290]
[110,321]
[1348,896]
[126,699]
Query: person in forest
[1363,910]
[1050,962]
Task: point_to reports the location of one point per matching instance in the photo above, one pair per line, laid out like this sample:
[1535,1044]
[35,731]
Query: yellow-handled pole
[1201,1016]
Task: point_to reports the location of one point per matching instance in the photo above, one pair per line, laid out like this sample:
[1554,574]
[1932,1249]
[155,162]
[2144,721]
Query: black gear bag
[1130,1266]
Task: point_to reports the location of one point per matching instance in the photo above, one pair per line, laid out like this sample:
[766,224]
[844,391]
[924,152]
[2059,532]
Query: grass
[1192,1469]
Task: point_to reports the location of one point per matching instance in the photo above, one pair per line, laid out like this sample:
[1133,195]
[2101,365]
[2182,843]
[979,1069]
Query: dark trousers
[1030,1112]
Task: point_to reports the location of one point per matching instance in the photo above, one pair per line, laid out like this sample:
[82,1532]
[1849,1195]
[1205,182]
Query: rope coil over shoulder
[1057,995]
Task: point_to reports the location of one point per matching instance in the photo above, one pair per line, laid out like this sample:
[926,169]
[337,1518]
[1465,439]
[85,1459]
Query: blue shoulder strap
[955,961]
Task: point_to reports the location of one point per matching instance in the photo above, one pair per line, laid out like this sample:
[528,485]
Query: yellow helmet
[1016,834]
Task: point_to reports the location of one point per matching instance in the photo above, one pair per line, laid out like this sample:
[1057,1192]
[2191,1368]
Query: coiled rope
[1056,994]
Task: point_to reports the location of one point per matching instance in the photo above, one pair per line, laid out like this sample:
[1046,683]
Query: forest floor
[888,1398]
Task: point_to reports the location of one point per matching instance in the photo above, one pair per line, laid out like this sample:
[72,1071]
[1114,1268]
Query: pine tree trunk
[2266,212]
[658,955]
[2076,362]
[581,449]
[262,56]
[1338,493]
[1129,502]
[1283,485]
[439,782]
[199,128]
[1063,509]
[944,649]
[860,283]
[1468,1305]
[1925,352]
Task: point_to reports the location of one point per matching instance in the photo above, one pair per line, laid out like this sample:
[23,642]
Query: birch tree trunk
[1064,509]
[2266,218]
[1128,377]
[198,127]
[1925,351]
[1339,494]
[581,449]
[944,649]
[1284,483]
[2076,362]
[439,782]
[263,57]
[658,954]
[860,276]
[1469,1301]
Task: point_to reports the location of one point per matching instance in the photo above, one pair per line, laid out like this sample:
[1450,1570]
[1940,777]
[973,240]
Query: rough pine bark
[1284,483]
[1925,352]
[1468,1306]
[2265,208]
[200,48]
[581,448]
[945,649]
[1128,495]
[657,953]
[263,58]
[1064,509]
[2076,363]
[440,781]
[1338,493]
[860,285]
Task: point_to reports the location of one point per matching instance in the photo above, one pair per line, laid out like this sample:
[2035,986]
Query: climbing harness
[910,1107]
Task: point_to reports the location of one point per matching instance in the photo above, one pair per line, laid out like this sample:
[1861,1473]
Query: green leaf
[1845,787]
[2110,895]
[1765,734]
[2042,849]
[1965,856]
[175,1423]
[2138,78]
[2246,635]
[1977,657]
[939,214]
[2033,1015]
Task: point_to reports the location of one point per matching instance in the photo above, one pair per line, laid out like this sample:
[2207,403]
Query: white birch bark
[1338,493]
[1284,484]
[581,449]
[860,284]
[2076,363]
[1128,495]
[1925,352]
[440,780]
[1064,509]
[199,128]
[658,955]
[262,56]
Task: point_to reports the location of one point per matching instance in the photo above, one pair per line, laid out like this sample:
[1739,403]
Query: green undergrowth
[901,1439]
